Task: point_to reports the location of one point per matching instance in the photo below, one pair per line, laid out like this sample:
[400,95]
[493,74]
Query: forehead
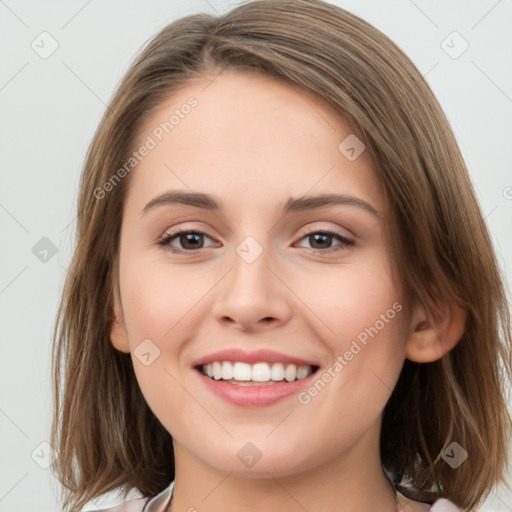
[249,137]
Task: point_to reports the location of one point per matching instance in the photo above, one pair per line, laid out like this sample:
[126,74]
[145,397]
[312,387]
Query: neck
[352,481]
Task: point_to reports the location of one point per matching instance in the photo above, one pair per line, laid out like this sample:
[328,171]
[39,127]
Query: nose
[252,296]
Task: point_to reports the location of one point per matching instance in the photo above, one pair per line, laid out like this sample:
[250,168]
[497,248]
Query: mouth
[262,373]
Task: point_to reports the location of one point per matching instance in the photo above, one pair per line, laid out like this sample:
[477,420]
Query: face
[311,284]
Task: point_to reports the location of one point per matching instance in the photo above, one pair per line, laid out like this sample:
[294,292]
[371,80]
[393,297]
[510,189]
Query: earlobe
[118,335]
[118,332]
[431,338]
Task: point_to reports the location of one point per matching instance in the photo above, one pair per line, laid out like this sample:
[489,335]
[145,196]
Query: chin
[249,463]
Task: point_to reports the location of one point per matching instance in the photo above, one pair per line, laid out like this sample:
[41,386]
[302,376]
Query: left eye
[191,240]
[326,236]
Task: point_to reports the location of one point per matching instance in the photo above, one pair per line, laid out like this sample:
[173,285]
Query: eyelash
[169,237]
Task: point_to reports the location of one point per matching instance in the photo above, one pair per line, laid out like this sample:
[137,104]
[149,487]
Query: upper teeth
[259,372]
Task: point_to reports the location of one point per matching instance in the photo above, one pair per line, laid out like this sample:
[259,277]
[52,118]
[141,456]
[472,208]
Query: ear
[118,332]
[432,335]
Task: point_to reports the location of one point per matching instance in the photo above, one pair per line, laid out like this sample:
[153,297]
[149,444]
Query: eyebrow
[293,205]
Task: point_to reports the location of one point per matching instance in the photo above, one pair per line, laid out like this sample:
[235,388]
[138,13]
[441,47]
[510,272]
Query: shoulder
[157,503]
[136,505]
[443,505]
[440,505]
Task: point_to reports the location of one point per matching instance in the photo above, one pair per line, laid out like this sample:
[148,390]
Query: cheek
[158,305]
[365,327]
[161,304]
[158,299]
[350,299]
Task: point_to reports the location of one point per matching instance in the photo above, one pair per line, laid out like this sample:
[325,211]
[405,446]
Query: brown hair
[105,434]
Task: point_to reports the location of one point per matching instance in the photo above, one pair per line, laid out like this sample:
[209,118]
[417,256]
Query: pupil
[192,239]
[189,238]
[324,236]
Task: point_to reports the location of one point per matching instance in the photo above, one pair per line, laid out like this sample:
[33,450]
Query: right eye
[190,238]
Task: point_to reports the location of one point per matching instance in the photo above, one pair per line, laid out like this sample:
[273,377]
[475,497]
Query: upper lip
[255,356]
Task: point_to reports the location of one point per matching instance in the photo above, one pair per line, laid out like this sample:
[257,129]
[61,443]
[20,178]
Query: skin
[253,142]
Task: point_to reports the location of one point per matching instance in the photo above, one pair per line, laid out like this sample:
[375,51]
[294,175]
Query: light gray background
[51,107]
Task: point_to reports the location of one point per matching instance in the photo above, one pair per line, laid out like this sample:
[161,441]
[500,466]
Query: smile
[263,373]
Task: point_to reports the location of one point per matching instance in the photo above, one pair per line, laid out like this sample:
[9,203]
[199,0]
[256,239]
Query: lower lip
[256,395]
